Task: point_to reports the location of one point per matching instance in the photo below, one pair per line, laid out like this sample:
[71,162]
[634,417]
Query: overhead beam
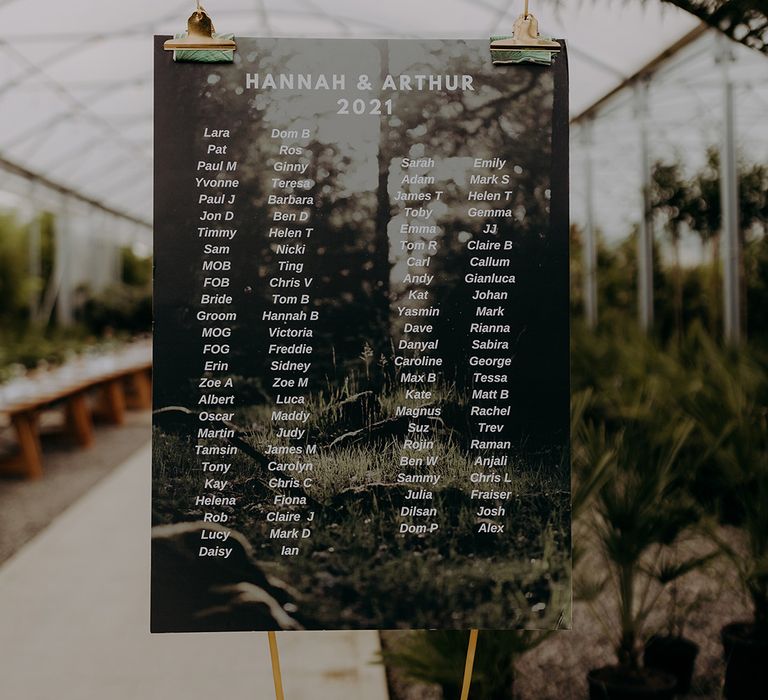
[643,72]
[31,176]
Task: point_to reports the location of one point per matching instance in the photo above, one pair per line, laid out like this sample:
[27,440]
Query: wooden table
[127,384]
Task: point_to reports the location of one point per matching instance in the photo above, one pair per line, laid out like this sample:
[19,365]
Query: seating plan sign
[361,370]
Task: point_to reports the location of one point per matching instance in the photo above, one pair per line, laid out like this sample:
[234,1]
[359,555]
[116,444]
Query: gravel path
[557,669]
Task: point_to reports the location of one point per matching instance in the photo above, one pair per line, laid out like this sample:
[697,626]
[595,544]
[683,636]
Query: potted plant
[438,657]
[673,654]
[638,512]
[731,410]
[669,649]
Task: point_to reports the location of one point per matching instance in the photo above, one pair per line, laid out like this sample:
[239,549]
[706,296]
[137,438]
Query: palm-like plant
[438,657]
[745,21]
[731,413]
[638,512]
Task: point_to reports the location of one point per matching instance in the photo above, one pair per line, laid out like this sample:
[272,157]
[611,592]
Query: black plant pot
[617,683]
[675,655]
[746,662]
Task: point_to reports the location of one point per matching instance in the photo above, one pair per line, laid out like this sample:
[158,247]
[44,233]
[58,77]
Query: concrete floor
[74,621]
[27,507]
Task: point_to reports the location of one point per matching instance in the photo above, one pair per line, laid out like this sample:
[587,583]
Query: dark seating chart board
[361,369]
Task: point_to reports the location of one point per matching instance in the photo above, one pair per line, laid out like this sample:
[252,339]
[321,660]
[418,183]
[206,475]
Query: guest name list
[361,370]
[291,318]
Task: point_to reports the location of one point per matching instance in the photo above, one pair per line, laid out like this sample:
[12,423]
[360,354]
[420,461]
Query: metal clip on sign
[525,45]
[201,43]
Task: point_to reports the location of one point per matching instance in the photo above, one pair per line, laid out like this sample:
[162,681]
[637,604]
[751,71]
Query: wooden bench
[119,387]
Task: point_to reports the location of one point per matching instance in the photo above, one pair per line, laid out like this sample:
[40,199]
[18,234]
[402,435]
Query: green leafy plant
[438,657]
[638,512]
[744,21]
[670,569]
[731,413]
[671,196]
[16,284]
[119,307]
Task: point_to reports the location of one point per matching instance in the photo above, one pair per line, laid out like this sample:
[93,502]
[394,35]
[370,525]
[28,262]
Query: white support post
[645,232]
[117,260]
[729,197]
[63,266]
[34,243]
[590,238]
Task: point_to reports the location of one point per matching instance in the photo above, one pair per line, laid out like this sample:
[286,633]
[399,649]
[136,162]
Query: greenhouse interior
[668,233]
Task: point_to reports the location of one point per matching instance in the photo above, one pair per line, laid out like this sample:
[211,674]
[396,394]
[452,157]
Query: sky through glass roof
[76,77]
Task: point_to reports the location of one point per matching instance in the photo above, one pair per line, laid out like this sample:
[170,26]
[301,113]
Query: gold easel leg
[469,664]
[276,675]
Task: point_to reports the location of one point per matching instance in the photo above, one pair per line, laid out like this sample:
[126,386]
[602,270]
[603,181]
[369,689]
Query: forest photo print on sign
[361,363]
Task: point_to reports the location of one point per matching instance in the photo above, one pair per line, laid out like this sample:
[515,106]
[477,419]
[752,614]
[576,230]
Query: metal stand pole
[469,664]
[590,242]
[729,196]
[645,233]
[275,657]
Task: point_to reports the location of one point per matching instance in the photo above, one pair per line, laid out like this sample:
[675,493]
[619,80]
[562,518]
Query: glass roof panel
[77,104]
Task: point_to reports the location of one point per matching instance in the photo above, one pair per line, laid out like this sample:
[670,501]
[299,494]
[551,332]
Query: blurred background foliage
[745,21]
[670,430]
[29,333]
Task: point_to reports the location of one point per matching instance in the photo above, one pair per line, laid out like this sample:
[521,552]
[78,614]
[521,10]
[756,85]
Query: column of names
[217,184]
[419,362]
[289,321]
[489,281]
